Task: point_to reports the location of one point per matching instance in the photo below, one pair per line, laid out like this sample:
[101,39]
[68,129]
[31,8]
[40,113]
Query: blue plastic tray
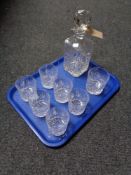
[39,126]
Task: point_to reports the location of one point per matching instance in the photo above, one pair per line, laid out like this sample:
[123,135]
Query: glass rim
[98,68]
[39,93]
[82,91]
[44,67]
[59,110]
[22,79]
[64,80]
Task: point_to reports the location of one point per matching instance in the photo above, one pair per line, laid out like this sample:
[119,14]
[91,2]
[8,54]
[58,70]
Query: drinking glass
[26,87]
[48,74]
[62,89]
[97,80]
[40,105]
[57,121]
[78,101]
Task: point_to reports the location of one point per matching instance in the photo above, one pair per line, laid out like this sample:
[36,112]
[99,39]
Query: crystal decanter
[78,48]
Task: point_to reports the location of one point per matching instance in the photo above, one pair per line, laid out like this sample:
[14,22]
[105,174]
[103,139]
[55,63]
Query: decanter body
[78,50]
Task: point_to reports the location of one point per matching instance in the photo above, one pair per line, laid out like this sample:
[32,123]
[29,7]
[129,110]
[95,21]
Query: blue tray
[39,126]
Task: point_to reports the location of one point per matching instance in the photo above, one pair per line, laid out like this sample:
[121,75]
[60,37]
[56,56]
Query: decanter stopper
[82,20]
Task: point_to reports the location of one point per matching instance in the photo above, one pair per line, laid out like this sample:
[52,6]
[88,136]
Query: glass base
[95,92]
[47,86]
[75,74]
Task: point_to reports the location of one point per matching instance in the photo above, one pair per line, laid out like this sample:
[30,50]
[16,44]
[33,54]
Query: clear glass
[48,74]
[26,87]
[40,105]
[78,101]
[62,89]
[78,48]
[97,80]
[57,121]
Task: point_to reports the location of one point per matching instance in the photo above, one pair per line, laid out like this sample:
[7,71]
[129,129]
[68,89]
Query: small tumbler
[97,80]
[78,101]
[62,89]
[41,105]
[57,121]
[48,74]
[26,87]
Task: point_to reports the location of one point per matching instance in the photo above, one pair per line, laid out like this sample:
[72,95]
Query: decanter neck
[80,31]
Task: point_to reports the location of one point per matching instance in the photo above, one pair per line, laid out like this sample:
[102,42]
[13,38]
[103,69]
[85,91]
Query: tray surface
[39,126]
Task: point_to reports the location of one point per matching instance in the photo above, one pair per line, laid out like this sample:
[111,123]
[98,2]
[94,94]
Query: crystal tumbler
[78,101]
[40,105]
[62,89]
[97,80]
[48,74]
[57,121]
[26,87]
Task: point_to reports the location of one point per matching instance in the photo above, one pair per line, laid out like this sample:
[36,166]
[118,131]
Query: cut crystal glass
[78,48]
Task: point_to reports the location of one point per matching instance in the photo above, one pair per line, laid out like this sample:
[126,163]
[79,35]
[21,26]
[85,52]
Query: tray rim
[36,130]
